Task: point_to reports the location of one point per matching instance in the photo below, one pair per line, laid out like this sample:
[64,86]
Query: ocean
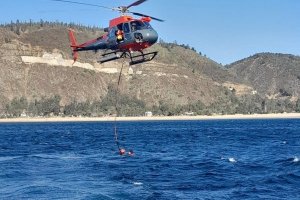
[213,159]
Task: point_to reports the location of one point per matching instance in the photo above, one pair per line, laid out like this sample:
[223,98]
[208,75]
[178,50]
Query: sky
[223,30]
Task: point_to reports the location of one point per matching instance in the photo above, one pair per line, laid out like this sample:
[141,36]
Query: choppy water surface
[218,159]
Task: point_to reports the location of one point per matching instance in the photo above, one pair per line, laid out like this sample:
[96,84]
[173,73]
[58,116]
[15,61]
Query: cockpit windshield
[148,24]
[139,25]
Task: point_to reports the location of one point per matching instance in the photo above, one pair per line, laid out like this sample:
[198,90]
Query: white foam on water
[284,142]
[70,157]
[57,156]
[296,159]
[232,160]
[137,183]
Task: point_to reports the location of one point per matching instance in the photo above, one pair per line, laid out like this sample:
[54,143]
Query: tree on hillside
[297,108]
[78,109]
[17,106]
[45,106]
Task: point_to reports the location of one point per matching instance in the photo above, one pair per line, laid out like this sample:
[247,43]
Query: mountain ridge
[272,74]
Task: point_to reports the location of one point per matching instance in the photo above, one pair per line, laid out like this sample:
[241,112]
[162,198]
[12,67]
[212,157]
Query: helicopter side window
[120,27]
[126,28]
[112,32]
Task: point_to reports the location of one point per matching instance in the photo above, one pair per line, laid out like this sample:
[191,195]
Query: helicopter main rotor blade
[81,3]
[136,3]
[122,9]
[143,15]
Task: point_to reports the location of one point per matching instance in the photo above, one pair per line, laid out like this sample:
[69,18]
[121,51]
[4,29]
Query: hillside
[273,75]
[36,71]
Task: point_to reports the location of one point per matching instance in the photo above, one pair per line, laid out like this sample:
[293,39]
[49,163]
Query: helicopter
[126,37]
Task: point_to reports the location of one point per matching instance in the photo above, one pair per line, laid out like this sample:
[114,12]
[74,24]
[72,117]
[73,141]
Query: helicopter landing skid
[134,59]
[111,56]
[142,58]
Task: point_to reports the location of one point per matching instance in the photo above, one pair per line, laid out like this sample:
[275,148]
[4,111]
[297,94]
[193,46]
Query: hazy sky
[224,30]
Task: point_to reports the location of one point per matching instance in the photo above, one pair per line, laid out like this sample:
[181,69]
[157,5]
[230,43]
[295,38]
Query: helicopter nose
[151,36]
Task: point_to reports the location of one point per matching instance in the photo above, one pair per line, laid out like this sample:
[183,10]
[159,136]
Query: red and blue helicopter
[125,37]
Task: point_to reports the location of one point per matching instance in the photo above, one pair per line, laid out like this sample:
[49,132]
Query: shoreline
[154,118]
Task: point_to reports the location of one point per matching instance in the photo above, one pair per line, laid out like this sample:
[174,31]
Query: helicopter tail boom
[73,44]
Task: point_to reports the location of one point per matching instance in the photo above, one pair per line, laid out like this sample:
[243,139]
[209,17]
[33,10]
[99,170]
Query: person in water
[131,153]
[122,152]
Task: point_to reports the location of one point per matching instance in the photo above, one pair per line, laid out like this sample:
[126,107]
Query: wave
[51,192]
[137,183]
[57,156]
[230,159]
[290,160]
[7,158]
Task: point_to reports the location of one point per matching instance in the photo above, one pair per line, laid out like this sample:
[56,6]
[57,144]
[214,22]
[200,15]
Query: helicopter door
[112,39]
[127,33]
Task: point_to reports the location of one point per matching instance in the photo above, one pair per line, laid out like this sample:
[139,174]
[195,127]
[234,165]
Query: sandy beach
[154,118]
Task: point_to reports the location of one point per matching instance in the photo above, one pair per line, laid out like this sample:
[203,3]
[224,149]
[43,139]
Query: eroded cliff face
[29,71]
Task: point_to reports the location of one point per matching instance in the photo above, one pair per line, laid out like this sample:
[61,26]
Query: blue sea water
[217,159]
